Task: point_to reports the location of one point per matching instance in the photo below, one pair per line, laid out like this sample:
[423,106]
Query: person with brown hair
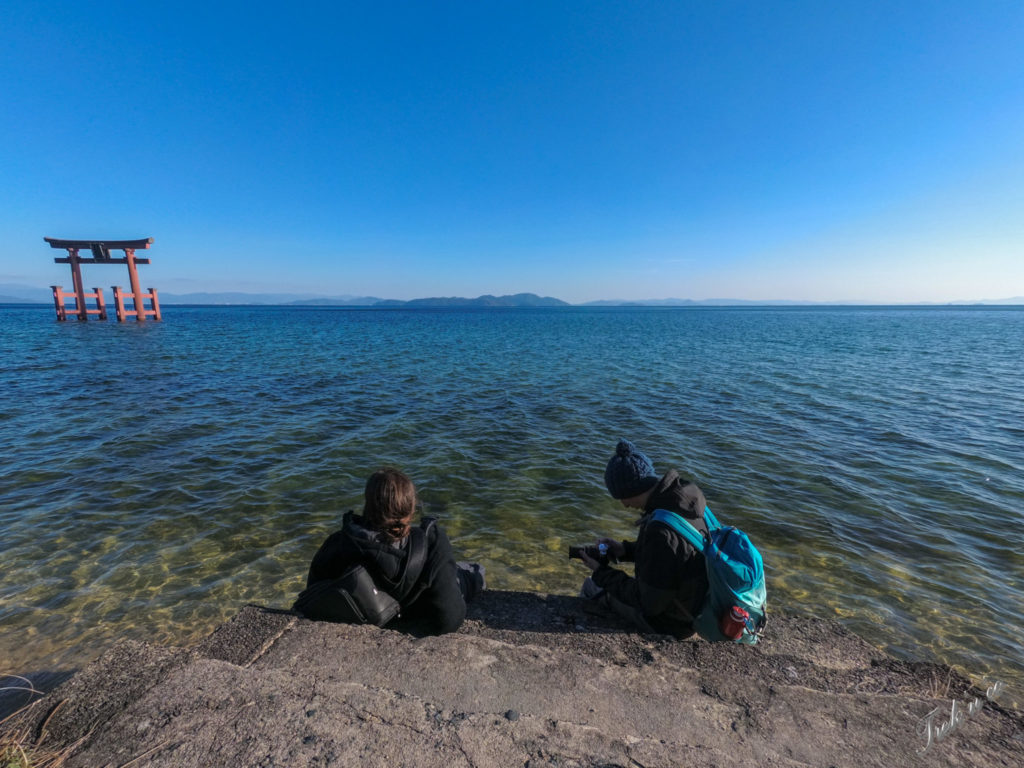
[384,541]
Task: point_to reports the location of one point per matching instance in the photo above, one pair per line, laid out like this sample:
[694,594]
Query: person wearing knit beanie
[629,473]
[670,580]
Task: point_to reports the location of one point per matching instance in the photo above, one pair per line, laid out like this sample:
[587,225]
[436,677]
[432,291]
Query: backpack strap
[710,520]
[416,560]
[683,527]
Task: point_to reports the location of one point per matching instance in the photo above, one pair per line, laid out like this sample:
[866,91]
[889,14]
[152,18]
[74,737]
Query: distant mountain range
[518,300]
[1017,300]
[25,294]
[277,299]
[12,293]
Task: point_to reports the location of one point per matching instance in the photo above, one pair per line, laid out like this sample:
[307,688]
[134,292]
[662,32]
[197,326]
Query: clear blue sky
[785,150]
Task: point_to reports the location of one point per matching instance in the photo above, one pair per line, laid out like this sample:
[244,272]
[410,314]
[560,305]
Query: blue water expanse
[157,477]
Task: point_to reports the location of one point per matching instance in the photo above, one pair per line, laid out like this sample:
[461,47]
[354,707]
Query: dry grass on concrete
[17,747]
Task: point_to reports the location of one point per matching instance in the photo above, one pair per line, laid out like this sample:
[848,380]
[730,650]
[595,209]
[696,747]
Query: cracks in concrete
[364,715]
[462,748]
[270,643]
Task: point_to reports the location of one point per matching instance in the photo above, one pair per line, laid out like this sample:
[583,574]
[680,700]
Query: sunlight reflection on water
[157,478]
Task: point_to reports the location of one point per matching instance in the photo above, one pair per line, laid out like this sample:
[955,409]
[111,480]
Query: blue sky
[789,150]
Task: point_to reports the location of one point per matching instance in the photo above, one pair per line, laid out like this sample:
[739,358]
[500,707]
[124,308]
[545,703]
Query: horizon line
[14,293]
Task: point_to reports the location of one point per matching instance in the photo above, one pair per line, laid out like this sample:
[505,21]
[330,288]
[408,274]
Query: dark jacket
[671,580]
[437,599]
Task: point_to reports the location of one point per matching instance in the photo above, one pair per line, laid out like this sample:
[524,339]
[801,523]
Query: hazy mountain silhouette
[14,293]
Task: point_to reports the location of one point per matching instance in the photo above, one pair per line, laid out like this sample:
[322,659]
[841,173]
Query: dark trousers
[629,613]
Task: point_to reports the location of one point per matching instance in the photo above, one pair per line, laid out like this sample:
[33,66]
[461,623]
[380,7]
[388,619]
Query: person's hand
[588,561]
[615,548]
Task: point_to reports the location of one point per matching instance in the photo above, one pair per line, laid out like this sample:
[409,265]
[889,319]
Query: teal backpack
[735,575]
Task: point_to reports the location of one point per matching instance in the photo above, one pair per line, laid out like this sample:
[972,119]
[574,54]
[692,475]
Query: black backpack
[359,597]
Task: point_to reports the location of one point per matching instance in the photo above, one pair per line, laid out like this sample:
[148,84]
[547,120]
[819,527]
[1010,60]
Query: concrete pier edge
[529,680]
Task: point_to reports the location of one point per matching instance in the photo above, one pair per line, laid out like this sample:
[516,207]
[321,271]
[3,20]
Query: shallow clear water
[156,477]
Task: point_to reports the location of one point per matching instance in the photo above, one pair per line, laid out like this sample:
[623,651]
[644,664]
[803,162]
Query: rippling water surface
[156,477]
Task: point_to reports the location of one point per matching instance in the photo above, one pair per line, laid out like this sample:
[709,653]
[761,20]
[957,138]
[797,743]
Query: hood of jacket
[357,543]
[680,496]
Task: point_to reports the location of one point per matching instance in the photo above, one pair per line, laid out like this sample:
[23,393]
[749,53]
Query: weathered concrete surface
[530,680]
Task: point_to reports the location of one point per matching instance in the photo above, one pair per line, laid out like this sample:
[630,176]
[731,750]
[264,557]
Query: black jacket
[437,599]
[671,579]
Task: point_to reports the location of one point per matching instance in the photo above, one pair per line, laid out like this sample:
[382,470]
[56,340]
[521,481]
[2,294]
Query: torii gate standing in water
[101,255]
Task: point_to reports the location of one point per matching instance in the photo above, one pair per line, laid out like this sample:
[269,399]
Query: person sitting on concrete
[671,579]
[382,541]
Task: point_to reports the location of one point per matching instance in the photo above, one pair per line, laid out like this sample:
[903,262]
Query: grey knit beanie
[629,473]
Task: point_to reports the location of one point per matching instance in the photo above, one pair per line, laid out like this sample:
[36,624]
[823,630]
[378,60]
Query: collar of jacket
[670,493]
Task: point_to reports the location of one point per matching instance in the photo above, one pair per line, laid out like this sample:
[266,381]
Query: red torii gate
[101,255]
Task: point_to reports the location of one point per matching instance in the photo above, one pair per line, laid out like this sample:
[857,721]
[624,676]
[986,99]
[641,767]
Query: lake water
[157,477]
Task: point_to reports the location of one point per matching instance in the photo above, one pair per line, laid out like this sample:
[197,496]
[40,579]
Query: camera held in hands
[598,552]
